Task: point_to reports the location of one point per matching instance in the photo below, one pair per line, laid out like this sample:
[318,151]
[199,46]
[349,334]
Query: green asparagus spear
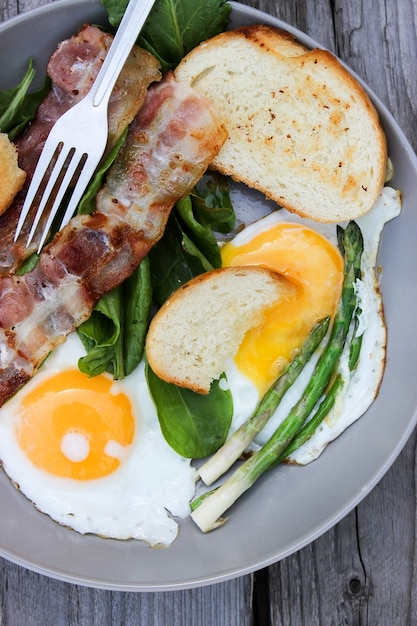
[310,427]
[356,343]
[303,434]
[301,437]
[232,449]
[208,515]
[331,394]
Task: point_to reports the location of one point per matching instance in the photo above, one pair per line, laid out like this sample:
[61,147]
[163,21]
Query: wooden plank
[29,599]
[363,571]
[11,8]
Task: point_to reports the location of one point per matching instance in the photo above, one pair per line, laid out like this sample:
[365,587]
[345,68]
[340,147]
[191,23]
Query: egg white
[152,483]
[360,387]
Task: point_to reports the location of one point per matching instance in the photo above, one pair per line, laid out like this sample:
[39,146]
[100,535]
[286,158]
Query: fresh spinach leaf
[191,249]
[101,336]
[194,425]
[199,234]
[137,292]
[174,27]
[17,107]
[28,264]
[114,334]
[207,209]
[171,264]
[212,203]
[188,247]
[88,201]
[115,10]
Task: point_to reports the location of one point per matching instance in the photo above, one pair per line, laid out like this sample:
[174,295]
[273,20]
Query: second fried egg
[313,264]
[89,452]
[260,358]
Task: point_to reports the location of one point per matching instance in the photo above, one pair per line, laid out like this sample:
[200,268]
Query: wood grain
[29,599]
[363,571]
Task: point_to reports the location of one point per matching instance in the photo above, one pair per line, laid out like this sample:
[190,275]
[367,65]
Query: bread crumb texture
[301,129]
[12,177]
[200,328]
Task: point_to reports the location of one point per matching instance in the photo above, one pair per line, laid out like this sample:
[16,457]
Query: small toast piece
[201,326]
[12,177]
[302,130]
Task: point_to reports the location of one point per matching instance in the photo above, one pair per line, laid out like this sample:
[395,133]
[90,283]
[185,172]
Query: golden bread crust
[201,326]
[12,177]
[302,130]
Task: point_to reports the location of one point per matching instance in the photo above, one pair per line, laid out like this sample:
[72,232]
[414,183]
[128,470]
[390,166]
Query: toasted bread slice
[11,176]
[200,328]
[301,129]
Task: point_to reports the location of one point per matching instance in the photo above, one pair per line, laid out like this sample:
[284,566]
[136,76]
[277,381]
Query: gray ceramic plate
[291,506]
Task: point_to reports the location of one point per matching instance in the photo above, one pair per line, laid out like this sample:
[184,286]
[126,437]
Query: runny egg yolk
[315,266]
[73,426]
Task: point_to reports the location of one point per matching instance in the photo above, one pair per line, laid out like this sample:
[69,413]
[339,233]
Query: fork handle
[133,19]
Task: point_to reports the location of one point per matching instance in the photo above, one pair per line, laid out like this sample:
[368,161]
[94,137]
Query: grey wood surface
[363,571]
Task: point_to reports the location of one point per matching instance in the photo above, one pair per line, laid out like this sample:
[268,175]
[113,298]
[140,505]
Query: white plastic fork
[79,137]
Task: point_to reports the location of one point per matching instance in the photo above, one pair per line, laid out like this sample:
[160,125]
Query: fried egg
[89,452]
[306,252]
[313,265]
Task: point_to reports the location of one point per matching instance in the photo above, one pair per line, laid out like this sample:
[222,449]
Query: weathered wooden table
[364,570]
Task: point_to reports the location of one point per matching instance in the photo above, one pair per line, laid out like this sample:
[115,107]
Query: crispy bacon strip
[72,69]
[167,150]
